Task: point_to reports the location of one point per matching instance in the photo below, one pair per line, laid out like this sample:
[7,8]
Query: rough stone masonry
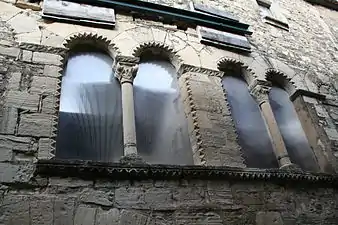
[219,189]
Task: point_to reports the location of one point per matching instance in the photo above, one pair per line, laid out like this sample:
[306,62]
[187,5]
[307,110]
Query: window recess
[220,38]
[272,14]
[78,13]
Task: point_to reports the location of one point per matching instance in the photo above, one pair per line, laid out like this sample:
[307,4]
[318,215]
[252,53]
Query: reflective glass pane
[253,135]
[293,134]
[90,119]
[161,126]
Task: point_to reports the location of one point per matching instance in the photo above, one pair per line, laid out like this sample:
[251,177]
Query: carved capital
[260,93]
[126,69]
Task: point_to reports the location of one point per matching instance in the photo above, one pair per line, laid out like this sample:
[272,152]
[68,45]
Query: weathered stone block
[269,218]
[51,71]
[159,198]
[43,85]
[41,210]
[8,120]
[107,217]
[188,196]
[48,104]
[22,144]
[15,209]
[46,58]
[132,218]
[5,154]
[129,197]
[84,216]
[97,197]
[22,100]
[69,182]
[37,125]
[14,81]
[15,173]
[63,211]
[10,51]
[45,148]
[26,56]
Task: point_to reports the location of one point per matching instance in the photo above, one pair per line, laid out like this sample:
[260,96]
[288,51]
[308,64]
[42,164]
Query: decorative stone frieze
[89,170]
[184,68]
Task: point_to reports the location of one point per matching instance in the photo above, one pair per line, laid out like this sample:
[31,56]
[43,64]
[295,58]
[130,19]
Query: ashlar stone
[8,120]
[22,100]
[36,125]
[51,71]
[14,81]
[84,215]
[43,85]
[46,58]
[10,51]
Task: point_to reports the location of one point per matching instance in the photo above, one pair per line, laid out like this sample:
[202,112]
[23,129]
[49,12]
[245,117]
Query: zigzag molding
[229,64]
[196,128]
[233,123]
[153,48]
[276,76]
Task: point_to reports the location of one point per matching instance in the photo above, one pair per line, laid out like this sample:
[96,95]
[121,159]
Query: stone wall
[30,62]
[73,201]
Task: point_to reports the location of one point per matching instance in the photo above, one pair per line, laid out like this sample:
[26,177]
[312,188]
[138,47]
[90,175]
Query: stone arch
[158,50]
[276,77]
[81,40]
[74,43]
[233,66]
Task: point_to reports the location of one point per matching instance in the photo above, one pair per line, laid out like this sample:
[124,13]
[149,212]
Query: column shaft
[260,92]
[129,130]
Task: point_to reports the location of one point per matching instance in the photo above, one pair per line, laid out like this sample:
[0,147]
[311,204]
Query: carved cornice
[185,68]
[95,170]
[42,48]
[126,68]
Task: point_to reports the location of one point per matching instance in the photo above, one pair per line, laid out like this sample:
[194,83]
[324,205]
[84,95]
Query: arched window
[90,118]
[253,135]
[291,129]
[161,126]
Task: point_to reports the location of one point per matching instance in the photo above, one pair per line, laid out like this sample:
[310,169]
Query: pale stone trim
[261,94]
[125,71]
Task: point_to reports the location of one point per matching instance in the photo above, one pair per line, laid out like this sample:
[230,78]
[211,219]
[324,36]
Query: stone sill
[118,171]
[275,22]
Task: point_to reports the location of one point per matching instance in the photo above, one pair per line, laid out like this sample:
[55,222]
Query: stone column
[261,94]
[125,71]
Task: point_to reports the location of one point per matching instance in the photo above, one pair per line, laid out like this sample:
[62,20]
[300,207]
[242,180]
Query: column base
[131,159]
[291,167]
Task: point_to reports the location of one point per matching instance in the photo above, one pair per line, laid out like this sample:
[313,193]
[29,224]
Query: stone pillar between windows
[126,71]
[261,94]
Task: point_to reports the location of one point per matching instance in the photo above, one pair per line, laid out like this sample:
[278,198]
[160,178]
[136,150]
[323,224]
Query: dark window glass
[253,135]
[90,119]
[161,127]
[293,134]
